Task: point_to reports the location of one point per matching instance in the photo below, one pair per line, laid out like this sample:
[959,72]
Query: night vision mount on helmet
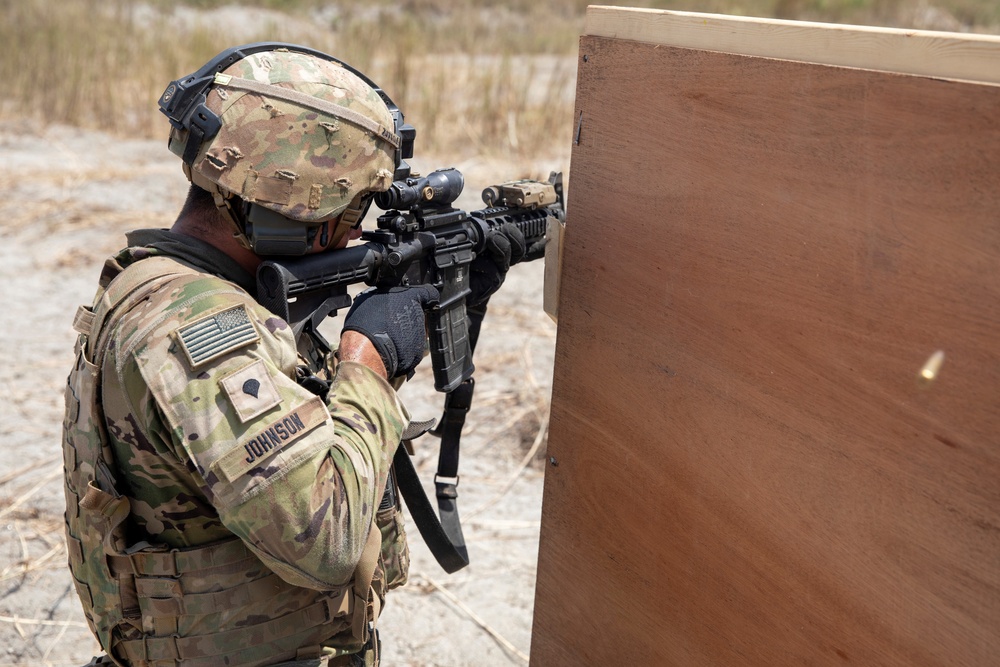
[287,139]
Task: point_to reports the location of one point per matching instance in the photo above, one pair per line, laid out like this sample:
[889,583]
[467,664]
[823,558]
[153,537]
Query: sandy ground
[66,198]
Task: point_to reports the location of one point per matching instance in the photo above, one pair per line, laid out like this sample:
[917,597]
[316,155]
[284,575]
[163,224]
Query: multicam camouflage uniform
[221,516]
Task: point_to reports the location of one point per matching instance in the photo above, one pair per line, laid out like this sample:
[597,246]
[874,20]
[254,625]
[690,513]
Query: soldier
[228,487]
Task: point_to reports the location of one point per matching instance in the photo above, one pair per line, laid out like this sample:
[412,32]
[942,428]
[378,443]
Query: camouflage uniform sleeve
[299,480]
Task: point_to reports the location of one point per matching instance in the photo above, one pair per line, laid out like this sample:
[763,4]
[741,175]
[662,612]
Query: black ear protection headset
[183,103]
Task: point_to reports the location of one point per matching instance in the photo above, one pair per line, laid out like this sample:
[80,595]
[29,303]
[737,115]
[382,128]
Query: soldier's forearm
[357,348]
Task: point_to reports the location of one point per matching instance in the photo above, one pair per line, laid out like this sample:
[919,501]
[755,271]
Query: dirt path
[66,198]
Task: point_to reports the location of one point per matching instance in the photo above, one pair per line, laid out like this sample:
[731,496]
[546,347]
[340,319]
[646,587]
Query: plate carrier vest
[135,596]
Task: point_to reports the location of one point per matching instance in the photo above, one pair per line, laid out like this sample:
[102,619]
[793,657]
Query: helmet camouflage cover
[300,135]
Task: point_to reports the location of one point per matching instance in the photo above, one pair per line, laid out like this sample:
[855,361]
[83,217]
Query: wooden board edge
[946,55]
[553,267]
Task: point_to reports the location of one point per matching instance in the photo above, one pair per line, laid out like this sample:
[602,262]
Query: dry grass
[30,524]
[473,78]
[427,585]
[466,84]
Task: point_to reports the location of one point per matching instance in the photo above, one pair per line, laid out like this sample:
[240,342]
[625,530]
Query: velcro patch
[251,391]
[252,452]
[215,335]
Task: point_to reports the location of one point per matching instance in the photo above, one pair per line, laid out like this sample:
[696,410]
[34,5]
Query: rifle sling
[443,535]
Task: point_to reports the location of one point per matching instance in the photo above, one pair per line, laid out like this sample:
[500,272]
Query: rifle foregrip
[532,223]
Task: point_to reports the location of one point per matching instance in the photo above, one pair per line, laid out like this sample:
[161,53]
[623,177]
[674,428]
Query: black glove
[393,320]
[504,246]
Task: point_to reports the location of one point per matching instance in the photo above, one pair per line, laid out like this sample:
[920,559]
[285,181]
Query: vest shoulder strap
[133,283]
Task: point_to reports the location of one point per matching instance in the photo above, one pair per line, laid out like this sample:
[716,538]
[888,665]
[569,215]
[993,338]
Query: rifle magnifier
[438,188]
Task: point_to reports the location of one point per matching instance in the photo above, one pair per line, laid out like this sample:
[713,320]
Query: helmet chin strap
[348,219]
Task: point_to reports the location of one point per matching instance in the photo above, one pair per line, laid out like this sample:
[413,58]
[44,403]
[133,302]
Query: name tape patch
[215,335]
[253,451]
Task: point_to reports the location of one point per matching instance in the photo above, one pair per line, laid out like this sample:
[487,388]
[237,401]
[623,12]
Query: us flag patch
[217,334]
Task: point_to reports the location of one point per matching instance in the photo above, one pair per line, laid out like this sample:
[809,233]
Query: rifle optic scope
[439,187]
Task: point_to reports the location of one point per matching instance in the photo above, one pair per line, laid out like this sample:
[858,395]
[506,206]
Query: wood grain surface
[974,57]
[747,467]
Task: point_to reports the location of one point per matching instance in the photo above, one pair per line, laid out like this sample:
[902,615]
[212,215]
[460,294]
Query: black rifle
[422,239]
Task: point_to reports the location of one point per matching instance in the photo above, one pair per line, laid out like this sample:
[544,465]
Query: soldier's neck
[219,236]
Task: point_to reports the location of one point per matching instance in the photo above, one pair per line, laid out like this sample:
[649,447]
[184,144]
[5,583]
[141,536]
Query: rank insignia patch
[217,334]
[251,391]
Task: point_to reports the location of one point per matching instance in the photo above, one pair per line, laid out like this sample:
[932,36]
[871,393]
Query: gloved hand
[504,247]
[393,320]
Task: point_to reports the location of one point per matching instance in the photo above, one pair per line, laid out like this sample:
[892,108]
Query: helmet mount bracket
[203,125]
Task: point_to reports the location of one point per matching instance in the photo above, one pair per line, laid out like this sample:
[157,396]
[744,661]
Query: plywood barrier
[775,434]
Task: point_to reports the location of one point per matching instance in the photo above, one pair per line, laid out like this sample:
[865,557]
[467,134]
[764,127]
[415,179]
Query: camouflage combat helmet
[286,138]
